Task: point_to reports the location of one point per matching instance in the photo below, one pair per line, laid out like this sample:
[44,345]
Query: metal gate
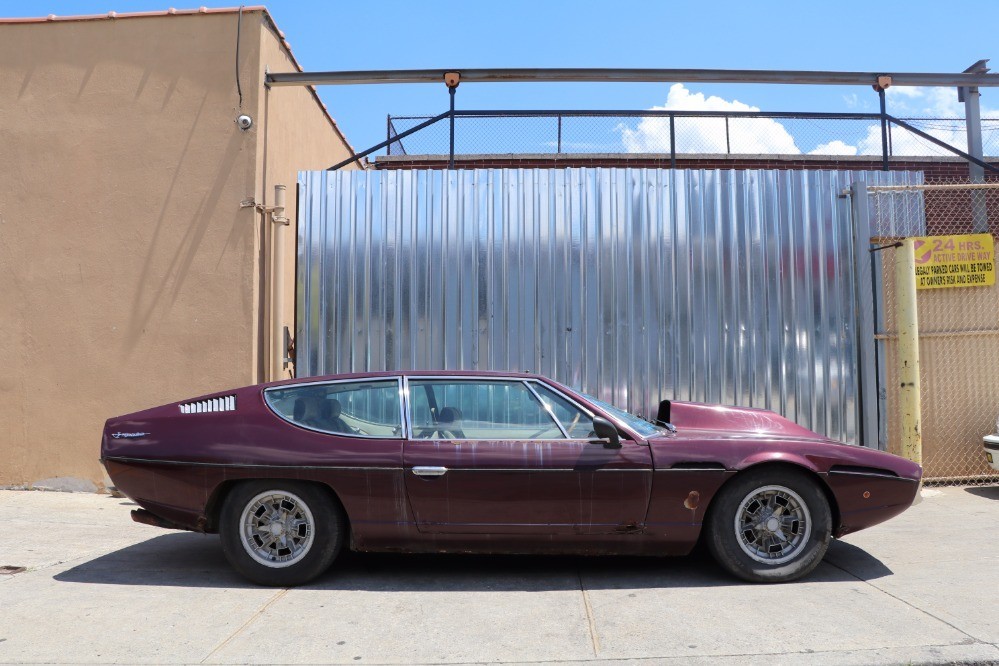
[635,285]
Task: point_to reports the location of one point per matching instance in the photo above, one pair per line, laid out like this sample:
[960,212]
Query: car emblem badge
[119,435]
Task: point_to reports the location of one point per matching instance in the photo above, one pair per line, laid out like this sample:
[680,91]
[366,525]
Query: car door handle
[430,471]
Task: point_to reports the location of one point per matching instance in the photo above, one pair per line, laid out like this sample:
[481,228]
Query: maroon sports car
[288,473]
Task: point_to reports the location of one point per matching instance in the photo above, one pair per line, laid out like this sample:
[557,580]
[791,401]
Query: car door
[490,456]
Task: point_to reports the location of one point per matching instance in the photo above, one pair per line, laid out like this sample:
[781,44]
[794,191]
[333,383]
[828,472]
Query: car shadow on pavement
[185,559]
[989,492]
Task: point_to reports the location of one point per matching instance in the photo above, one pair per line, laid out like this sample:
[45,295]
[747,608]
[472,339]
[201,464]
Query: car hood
[737,422]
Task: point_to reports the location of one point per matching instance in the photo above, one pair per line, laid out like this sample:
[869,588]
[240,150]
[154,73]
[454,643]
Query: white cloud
[707,135]
[905,91]
[769,136]
[852,101]
[835,147]
[919,102]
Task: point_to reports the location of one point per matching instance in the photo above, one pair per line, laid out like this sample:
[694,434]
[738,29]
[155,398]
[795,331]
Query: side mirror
[606,430]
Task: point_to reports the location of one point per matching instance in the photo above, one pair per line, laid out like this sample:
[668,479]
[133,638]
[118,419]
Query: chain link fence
[958,325]
[579,133]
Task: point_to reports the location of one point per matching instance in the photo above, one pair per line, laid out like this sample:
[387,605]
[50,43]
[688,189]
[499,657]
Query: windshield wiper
[663,424]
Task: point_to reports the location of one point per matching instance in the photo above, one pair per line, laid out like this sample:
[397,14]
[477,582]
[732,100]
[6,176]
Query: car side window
[364,409]
[479,409]
[577,423]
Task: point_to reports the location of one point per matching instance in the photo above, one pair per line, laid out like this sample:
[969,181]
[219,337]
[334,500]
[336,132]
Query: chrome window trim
[586,410]
[546,409]
[574,403]
[632,436]
[356,380]
[532,470]
[407,430]
[494,378]
[405,411]
[526,441]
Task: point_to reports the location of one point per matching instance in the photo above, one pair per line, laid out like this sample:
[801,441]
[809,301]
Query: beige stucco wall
[131,274]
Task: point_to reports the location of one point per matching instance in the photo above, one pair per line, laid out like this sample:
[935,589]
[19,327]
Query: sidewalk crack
[243,626]
[909,604]
[590,621]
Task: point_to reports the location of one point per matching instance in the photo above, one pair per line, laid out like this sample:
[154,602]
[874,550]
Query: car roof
[408,373]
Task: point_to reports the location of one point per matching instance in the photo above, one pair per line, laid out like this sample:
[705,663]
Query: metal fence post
[867,400]
[450,160]
[672,142]
[907,318]
[884,130]
[973,127]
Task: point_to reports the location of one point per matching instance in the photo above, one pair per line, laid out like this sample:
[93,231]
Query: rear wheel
[770,525]
[280,533]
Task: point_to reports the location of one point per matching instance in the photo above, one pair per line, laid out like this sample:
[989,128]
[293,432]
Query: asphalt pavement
[98,588]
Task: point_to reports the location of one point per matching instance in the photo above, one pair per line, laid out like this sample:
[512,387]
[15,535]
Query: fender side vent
[224,404]
[698,465]
[865,471]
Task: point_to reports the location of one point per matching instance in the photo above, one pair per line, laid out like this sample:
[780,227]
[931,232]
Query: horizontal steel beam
[630,75]
[655,113]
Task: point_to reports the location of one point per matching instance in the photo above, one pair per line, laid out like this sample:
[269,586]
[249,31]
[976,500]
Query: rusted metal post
[907,320]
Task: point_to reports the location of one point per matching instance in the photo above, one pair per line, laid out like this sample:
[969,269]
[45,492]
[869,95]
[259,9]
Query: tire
[281,533]
[742,520]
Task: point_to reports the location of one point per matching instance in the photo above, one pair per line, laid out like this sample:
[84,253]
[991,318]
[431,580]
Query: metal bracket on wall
[885,247]
[289,348]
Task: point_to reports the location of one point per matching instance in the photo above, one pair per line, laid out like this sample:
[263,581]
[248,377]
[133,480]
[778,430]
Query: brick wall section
[937,169]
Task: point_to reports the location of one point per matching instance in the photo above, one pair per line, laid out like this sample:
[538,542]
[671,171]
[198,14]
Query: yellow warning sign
[955,261]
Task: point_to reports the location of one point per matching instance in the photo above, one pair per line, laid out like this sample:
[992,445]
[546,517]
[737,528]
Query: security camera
[245,122]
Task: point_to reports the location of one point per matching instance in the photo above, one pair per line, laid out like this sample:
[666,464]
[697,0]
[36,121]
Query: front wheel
[280,533]
[770,525]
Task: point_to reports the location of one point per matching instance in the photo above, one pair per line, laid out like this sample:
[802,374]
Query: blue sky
[917,35]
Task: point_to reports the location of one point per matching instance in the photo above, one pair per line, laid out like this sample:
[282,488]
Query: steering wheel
[572,425]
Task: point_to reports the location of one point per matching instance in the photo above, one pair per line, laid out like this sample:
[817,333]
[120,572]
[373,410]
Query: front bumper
[991,444]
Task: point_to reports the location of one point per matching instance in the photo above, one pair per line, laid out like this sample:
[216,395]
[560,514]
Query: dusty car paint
[650,496]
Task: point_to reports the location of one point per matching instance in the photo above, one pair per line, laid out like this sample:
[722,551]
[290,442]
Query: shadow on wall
[154,282]
[186,559]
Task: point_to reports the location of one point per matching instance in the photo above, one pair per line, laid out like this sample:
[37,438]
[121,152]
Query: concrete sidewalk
[100,588]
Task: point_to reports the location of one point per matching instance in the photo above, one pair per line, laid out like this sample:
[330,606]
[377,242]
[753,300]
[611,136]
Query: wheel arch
[769,463]
[213,507]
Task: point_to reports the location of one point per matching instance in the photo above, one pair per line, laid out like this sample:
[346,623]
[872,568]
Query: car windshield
[636,423]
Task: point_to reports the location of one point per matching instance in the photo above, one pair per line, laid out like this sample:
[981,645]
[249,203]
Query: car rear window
[355,409]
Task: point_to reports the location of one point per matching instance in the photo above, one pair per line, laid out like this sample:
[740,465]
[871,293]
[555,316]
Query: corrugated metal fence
[634,285]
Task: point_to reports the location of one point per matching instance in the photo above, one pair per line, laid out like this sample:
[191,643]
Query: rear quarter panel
[178,467]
